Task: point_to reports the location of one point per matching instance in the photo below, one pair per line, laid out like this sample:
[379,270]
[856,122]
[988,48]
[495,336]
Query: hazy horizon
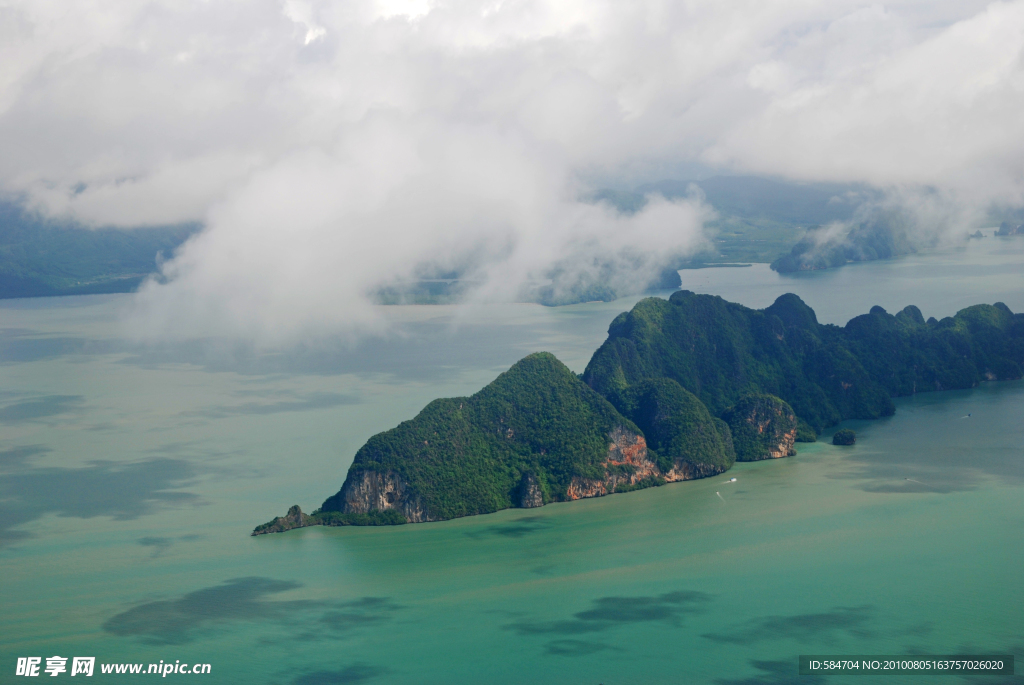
[330,149]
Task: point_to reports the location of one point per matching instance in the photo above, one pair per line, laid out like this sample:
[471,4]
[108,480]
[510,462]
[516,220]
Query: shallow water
[132,475]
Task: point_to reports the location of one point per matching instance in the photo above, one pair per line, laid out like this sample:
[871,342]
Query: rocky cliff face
[763,427]
[629,465]
[530,494]
[366,491]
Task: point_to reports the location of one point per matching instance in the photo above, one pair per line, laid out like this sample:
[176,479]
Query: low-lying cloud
[332,148]
[302,248]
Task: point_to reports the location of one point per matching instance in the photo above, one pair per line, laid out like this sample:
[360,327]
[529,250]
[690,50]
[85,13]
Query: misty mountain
[751,197]
[41,258]
[758,219]
[825,247]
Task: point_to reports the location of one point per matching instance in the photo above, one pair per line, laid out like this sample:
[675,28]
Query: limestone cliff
[367,491]
[530,493]
[763,427]
[627,465]
[689,442]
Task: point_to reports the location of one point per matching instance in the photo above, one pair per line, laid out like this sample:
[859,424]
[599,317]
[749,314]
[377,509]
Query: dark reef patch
[183,620]
[40,408]
[853,621]
[123,491]
[178,621]
[17,457]
[775,673]
[610,612]
[162,544]
[574,648]
[347,616]
[356,673]
[513,529]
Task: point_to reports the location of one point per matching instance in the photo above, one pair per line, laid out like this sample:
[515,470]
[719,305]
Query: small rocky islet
[681,389]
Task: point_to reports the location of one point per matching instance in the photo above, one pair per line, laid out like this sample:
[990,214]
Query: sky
[330,148]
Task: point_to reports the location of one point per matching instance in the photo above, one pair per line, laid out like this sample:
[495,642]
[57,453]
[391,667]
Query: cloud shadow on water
[184,619]
[775,673]
[121,490]
[306,402]
[40,408]
[513,529]
[350,675]
[608,613]
[17,457]
[574,648]
[357,613]
[821,627]
[162,544]
[177,621]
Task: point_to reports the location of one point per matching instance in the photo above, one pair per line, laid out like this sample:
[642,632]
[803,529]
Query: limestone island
[681,389]
[844,437]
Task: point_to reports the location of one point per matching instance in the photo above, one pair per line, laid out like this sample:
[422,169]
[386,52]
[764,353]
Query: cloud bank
[330,148]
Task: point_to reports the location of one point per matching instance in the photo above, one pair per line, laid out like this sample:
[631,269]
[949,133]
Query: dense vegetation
[677,425]
[721,351]
[41,258]
[760,424]
[469,455]
[804,432]
[844,436]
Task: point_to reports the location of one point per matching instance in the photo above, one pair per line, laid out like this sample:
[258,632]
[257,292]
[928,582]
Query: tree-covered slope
[762,427]
[906,354]
[677,426]
[721,351]
[469,455]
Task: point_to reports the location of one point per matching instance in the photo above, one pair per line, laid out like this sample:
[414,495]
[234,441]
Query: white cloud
[332,146]
[302,14]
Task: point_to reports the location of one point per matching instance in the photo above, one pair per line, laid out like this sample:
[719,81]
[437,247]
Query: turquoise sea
[132,473]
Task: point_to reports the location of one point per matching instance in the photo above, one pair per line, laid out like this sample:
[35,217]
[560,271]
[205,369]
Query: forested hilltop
[721,350]
[681,389]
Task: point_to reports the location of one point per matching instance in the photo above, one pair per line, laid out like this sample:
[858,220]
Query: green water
[132,474]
